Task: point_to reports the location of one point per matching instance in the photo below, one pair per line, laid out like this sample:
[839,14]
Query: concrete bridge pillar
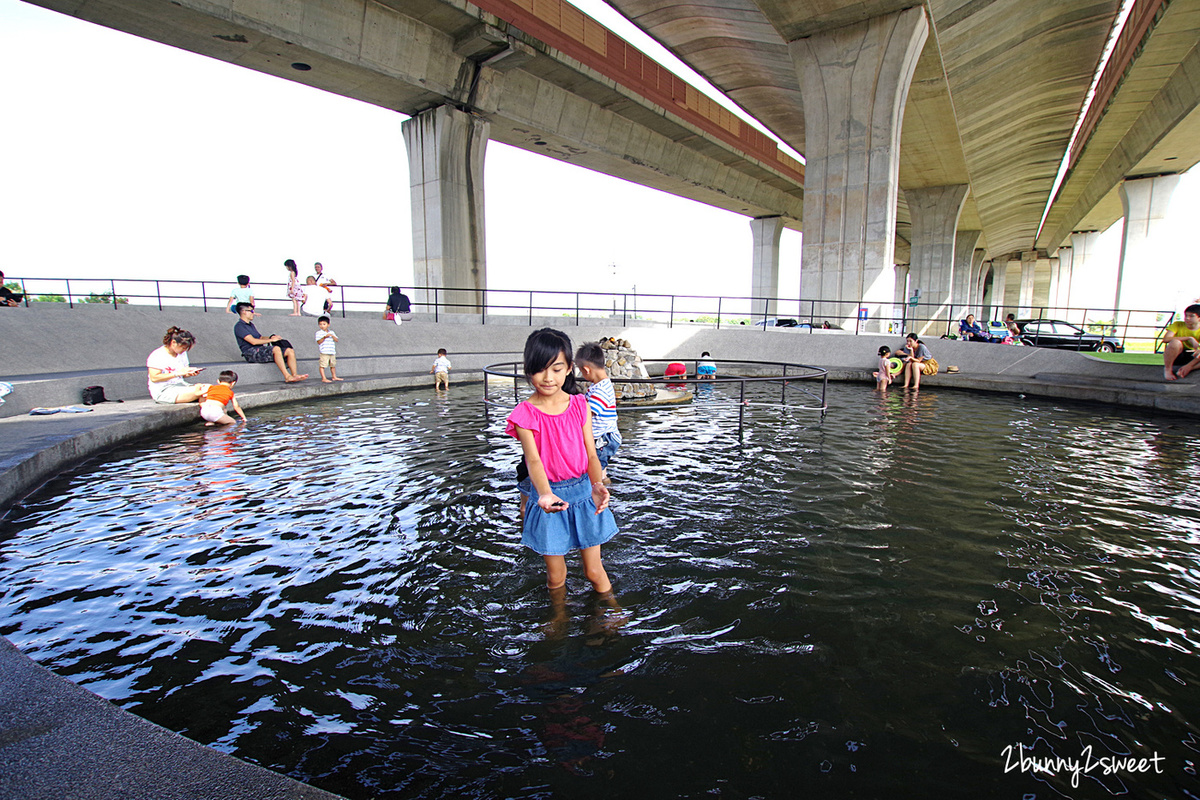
[764,268]
[900,304]
[935,211]
[1001,302]
[445,155]
[1034,292]
[962,290]
[1145,202]
[1060,279]
[976,285]
[1085,248]
[854,81]
[1025,293]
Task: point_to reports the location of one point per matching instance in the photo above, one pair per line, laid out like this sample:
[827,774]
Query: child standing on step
[568,508]
[327,348]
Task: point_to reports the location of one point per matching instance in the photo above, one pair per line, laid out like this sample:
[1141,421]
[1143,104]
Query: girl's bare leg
[556,626]
[593,568]
[556,572]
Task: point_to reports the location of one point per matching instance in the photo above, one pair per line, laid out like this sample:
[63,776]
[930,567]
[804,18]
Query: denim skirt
[576,528]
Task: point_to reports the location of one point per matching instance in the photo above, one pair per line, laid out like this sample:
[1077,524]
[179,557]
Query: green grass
[1154,359]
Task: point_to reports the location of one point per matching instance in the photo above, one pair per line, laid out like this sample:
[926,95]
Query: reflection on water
[877,604]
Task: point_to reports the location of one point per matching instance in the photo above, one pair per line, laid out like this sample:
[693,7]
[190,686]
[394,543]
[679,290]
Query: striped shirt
[602,402]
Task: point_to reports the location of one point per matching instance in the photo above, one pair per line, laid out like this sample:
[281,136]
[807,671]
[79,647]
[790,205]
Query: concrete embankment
[58,740]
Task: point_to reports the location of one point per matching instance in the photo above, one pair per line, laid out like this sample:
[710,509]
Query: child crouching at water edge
[568,506]
[219,395]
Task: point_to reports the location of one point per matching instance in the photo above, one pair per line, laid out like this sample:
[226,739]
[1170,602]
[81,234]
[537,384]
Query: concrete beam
[423,54]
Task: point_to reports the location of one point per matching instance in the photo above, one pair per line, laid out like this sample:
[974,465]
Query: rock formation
[622,363]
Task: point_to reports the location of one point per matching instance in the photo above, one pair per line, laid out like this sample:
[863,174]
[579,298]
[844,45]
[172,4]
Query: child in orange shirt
[212,406]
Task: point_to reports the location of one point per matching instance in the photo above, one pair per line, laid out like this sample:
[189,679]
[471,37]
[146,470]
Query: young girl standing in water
[568,508]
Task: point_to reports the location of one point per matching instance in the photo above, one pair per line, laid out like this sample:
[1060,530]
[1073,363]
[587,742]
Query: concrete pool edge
[58,740]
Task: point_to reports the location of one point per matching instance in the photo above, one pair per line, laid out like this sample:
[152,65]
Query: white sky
[126,157]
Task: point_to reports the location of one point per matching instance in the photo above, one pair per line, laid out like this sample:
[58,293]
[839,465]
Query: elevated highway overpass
[933,133]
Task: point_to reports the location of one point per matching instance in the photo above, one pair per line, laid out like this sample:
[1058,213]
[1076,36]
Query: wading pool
[914,597]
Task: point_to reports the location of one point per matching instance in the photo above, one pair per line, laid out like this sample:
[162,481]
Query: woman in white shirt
[168,366]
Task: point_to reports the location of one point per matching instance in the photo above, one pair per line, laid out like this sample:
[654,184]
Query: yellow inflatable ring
[895,365]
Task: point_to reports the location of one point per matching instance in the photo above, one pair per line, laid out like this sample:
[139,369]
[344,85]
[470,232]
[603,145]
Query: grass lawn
[1154,359]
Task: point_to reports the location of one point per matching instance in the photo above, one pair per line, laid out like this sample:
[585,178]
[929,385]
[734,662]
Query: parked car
[1065,336]
[782,322]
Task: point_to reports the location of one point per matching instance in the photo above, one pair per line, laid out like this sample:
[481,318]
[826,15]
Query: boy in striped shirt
[601,400]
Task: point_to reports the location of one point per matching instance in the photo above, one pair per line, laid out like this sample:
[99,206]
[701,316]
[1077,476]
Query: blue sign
[862,314]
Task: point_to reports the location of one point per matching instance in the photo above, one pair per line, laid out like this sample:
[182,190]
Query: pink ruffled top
[559,438]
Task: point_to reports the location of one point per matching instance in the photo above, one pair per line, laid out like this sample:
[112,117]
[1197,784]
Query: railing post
[718,313]
[671,319]
[577,309]
[70,302]
[483,309]
[436,304]
[158,294]
[531,309]
[624,310]
[342,299]
[24,293]
[204,297]
[112,286]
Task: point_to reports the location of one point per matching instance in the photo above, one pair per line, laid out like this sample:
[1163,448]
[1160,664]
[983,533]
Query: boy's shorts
[328,360]
[211,410]
[606,447]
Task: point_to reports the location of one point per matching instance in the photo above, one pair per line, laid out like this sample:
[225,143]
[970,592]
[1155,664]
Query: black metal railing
[801,315]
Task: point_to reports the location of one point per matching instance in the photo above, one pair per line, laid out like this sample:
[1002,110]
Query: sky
[130,158]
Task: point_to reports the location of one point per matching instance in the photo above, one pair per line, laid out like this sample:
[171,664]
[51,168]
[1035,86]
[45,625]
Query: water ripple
[872,604]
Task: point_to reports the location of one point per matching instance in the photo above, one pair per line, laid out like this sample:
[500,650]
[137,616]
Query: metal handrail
[720,311]
[513,370]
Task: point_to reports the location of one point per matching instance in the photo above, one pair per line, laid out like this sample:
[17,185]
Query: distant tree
[14,286]
[50,298]
[105,298]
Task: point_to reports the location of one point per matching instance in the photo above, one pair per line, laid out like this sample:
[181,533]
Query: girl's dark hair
[884,350]
[228,376]
[705,354]
[243,280]
[291,265]
[394,290]
[542,348]
[178,336]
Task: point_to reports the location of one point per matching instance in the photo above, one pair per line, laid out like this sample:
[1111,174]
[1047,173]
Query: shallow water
[874,604]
